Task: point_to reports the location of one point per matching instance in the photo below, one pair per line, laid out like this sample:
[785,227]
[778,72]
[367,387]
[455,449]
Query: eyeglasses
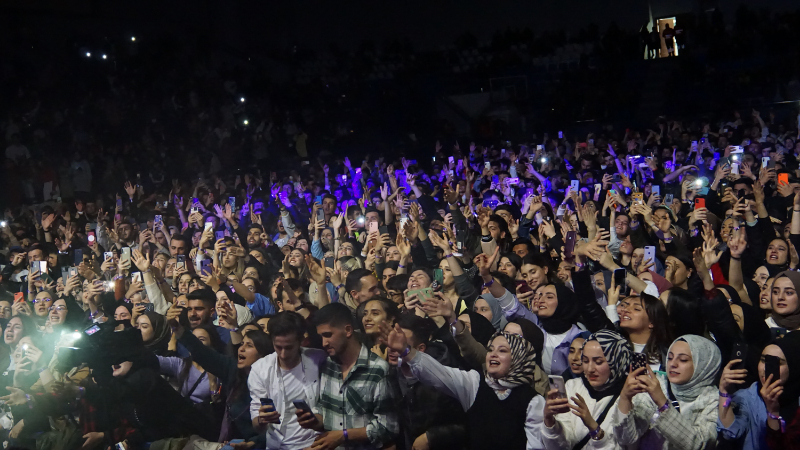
[39,300]
[57,308]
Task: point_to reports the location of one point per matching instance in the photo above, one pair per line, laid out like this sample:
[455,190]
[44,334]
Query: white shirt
[551,342]
[463,386]
[293,435]
[267,380]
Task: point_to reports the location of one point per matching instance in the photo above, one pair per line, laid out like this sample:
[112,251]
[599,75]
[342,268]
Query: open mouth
[576,366]
[494,363]
[673,373]
[621,318]
[592,377]
[773,257]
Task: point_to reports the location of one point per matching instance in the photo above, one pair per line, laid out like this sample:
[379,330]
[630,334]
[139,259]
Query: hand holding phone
[268,413]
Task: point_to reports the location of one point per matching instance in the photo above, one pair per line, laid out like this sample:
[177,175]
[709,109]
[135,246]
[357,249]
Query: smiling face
[447,274]
[534,275]
[564,271]
[726,230]
[680,366]
[419,280]
[777,252]
[632,315]
[58,312]
[765,297]
[545,301]
[574,358]
[595,367]
[374,314]
[498,358]
[784,297]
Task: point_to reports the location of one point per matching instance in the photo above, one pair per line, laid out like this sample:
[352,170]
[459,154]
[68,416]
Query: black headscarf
[161,333]
[482,329]
[566,313]
[532,334]
[790,344]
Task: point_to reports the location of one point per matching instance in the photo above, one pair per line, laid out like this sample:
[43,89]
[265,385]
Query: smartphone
[765,161]
[158,219]
[125,255]
[490,204]
[321,215]
[329,262]
[619,279]
[206,267]
[208,226]
[668,199]
[783,178]
[108,256]
[64,275]
[569,245]
[194,209]
[383,230]
[638,197]
[649,254]
[180,262]
[137,276]
[232,202]
[73,271]
[450,159]
[557,383]
[638,360]
[219,235]
[438,276]
[694,146]
[575,186]
[513,181]
[739,352]
[561,135]
[301,405]
[699,203]
[373,226]
[149,307]
[19,297]
[423,294]
[92,330]
[735,168]
[655,190]
[269,402]
[616,178]
[34,267]
[119,204]
[78,256]
[90,236]
[487,165]
[772,366]
[495,179]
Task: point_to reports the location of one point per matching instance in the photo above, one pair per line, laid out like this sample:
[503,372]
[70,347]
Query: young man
[355,407]
[289,374]
[362,285]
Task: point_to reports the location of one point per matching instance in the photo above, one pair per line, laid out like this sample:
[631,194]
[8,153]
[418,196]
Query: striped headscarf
[618,353]
[523,365]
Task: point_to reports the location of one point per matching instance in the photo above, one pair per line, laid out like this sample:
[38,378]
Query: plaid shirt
[363,399]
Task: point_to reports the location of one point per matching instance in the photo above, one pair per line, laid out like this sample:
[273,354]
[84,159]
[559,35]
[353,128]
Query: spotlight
[105,57]
[133,38]
[246,122]
[242,99]
[88,55]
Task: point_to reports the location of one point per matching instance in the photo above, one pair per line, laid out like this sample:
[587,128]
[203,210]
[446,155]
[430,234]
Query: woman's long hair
[216,344]
[684,313]
[661,334]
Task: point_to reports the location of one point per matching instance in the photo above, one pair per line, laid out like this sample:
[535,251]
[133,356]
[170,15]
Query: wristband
[338,286]
[449,255]
[488,283]
[779,419]
[727,398]
[593,434]
[405,352]
[344,432]
[664,407]
[400,266]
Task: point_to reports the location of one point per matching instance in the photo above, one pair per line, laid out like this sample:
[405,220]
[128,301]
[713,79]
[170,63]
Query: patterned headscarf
[523,365]
[617,351]
[706,359]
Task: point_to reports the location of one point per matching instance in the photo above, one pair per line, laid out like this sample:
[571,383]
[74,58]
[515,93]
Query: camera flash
[105,57]
[133,38]
[242,99]
[88,55]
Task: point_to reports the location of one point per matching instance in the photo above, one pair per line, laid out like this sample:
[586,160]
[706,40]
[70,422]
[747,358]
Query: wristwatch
[597,434]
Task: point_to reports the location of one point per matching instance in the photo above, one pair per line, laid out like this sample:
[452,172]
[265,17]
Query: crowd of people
[633,290]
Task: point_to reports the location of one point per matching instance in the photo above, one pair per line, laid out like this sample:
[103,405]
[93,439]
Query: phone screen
[569,244]
[619,280]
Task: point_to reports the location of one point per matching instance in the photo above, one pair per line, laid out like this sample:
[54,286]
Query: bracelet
[664,408]
[338,286]
[727,398]
[779,419]
[450,255]
[405,352]
[489,283]
[344,432]
[400,266]
[593,434]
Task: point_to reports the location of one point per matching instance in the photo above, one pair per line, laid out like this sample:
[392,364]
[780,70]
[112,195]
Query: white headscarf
[707,359]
